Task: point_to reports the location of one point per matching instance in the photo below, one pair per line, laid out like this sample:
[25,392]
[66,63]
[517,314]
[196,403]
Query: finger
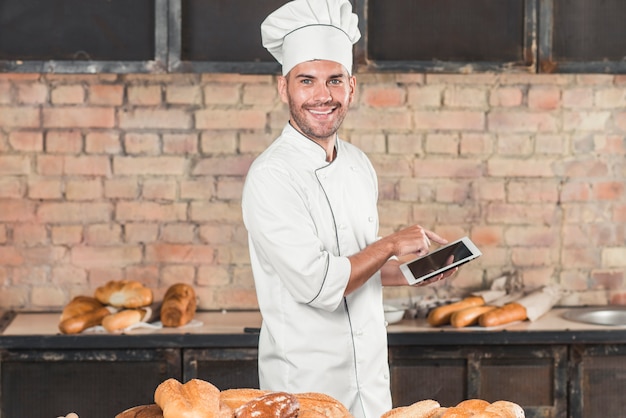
[434,237]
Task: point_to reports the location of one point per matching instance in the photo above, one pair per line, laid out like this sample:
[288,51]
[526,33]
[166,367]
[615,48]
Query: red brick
[521,214]
[102,143]
[100,275]
[620,120]
[190,95]
[79,117]
[442,144]
[585,168]
[26,141]
[11,188]
[106,94]
[148,275]
[230,166]
[231,119]
[226,212]
[578,97]
[45,188]
[222,93]
[425,96]
[180,233]
[142,144]
[448,168]
[465,97]
[19,117]
[544,98]
[225,142]
[532,236]
[32,93]
[67,234]
[64,142]
[197,189]
[476,143]
[6,95]
[50,165]
[229,188]
[506,97]
[544,190]
[515,145]
[87,166]
[383,96]
[180,144]
[213,276]
[519,168]
[538,256]
[450,120]
[405,144]
[141,232]
[159,190]
[150,211]
[391,166]
[14,165]
[178,253]
[71,94]
[83,190]
[259,94]
[103,234]
[72,213]
[160,166]
[178,274]
[10,256]
[586,121]
[608,190]
[17,210]
[141,118]
[105,257]
[487,235]
[144,95]
[121,188]
[375,120]
[500,121]
[30,234]
[68,275]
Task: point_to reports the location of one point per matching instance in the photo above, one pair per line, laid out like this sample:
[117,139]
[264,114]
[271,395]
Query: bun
[142,411]
[179,305]
[194,399]
[441,315]
[420,409]
[124,294]
[469,316]
[274,404]
[81,313]
[473,405]
[123,319]
[234,398]
[510,312]
[323,404]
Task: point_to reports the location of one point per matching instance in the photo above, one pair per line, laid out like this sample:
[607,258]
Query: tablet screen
[451,255]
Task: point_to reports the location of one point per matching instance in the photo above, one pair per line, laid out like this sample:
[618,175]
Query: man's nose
[322,93]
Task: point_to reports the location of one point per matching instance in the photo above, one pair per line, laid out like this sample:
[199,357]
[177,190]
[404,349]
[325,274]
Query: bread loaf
[124,294]
[420,409]
[123,319]
[506,409]
[142,411]
[469,316]
[441,315]
[508,313]
[81,313]
[179,305]
[273,404]
[194,399]
[474,406]
[234,398]
[323,404]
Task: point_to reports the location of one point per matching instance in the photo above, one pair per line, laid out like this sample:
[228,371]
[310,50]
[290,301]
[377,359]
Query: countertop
[240,329]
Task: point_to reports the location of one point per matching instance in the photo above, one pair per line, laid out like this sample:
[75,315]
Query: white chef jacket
[304,217]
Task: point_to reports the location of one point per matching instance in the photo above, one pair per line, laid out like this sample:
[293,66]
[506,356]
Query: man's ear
[352,81]
[282,88]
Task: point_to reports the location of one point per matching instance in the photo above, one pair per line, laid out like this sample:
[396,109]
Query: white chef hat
[306,30]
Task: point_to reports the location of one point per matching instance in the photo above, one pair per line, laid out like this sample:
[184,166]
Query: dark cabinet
[91,383]
[532,376]
[226,368]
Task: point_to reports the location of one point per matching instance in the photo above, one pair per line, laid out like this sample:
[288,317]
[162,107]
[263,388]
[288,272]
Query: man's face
[319,94]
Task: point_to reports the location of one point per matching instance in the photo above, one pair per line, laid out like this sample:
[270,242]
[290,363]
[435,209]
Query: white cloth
[306,30]
[304,217]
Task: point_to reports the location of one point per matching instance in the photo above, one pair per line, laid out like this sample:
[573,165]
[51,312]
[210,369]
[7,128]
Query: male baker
[310,208]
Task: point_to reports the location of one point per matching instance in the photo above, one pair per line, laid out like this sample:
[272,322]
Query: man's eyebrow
[332,76]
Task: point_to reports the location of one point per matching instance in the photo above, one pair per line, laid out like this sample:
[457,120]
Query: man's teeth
[320,112]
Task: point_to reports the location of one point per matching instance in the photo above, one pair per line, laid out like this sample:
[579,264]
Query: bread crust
[194,399]
[123,319]
[273,404]
[234,398]
[179,305]
[506,409]
[511,312]
[81,313]
[124,294]
[420,409]
[441,315]
[469,316]
[323,404]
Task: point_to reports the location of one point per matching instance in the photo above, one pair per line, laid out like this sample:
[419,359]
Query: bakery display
[441,315]
[476,408]
[179,305]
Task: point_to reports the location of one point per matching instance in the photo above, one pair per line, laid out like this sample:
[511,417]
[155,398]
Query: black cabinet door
[91,383]
[226,368]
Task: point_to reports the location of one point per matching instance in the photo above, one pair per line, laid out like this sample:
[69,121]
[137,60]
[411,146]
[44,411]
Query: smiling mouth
[322,112]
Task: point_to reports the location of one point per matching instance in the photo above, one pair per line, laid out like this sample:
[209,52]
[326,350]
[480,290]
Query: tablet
[442,259]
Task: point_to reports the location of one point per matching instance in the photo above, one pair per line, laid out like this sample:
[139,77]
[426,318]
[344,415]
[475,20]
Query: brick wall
[105,177]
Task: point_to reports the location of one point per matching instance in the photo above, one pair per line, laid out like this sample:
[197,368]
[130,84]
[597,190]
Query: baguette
[420,409]
[469,316]
[442,314]
[511,312]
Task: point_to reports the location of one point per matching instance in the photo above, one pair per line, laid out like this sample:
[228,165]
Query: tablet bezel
[412,280]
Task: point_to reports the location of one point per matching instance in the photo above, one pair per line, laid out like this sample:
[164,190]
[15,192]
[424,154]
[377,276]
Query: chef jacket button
[386,376]
[371,219]
[353,168]
[342,226]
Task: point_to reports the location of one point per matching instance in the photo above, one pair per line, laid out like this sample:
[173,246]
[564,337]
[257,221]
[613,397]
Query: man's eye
[305,81]
[335,81]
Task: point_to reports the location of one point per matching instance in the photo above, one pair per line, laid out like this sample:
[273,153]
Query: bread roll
[234,398]
[469,316]
[81,313]
[123,319]
[179,305]
[124,294]
[142,411]
[420,409]
[508,313]
[274,404]
[194,399]
[324,404]
[473,405]
[441,315]
[506,409]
